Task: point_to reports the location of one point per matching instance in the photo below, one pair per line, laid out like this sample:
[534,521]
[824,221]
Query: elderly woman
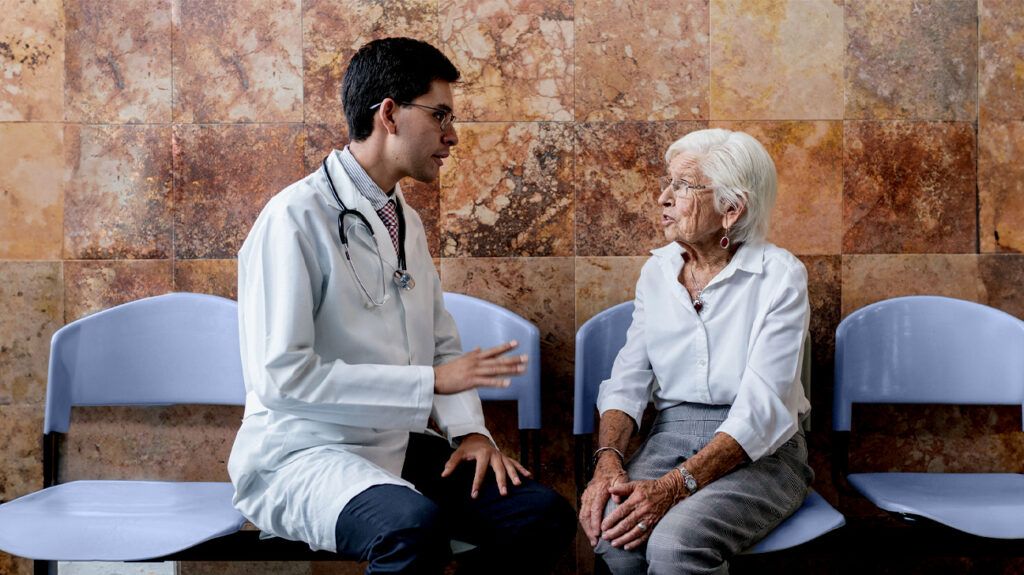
[719,321]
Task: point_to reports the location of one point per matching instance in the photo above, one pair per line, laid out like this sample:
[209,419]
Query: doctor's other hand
[476,447]
[479,368]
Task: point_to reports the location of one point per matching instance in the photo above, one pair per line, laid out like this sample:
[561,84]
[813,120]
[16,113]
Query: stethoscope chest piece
[404,280]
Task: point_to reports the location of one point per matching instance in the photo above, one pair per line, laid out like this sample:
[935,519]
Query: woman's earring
[724,242]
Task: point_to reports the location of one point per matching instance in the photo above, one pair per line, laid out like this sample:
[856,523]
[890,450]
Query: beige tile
[1001,186]
[217,277]
[32,61]
[31,191]
[21,454]
[871,278]
[776,60]
[515,56]
[1000,55]
[92,286]
[31,310]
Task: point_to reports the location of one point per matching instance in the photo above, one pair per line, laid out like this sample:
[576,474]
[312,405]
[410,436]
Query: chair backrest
[927,349]
[483,324]
[599,340]
[169,349]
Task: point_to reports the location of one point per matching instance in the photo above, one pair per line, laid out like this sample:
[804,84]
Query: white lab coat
[334,384]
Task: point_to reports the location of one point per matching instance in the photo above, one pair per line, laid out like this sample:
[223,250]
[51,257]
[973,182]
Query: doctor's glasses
[445,117]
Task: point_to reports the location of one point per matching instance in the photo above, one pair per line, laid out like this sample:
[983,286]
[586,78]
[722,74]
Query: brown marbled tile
[1001,55]
[217,277]
[92,286]
[21,452]
[909,187]
[867,279]
[641,60]
[824,291]
[32,61]
[937,439]
[912,60]
[617,170]
[808,156]
[10,565]
[322,139]
[507,191]
[602,282]
[118,62]
[237,61]
[337,568]
[31,310]
[31,191]
[117,202]
[800,77]
[1001,186]
[332,32]
[1003,278]
[539,289]
[177,443]
[515,56]
[244,568]
[223,176]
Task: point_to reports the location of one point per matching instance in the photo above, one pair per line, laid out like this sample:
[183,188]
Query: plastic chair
[170,349]
[483,324]
[928,349]
[597,343]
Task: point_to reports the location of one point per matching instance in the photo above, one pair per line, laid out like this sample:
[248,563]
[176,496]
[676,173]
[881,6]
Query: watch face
[691,484]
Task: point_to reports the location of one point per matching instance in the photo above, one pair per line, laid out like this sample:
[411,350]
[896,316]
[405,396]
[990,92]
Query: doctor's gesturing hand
[478,368]
[476,447]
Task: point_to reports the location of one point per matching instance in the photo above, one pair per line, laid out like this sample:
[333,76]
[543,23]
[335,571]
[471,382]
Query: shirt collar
[362,181]
[749,258]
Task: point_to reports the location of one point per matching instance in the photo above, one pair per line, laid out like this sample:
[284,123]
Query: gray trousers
[700,533]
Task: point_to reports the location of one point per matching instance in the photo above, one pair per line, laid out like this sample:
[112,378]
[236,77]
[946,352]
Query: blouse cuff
[631,408]
[752,443]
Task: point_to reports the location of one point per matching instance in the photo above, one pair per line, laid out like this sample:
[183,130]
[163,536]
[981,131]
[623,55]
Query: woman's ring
[641,526]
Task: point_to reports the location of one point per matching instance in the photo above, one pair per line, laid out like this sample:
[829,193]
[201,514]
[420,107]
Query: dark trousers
[396,530]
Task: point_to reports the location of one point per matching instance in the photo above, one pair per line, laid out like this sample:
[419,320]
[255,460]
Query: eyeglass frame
[446,121]
[690,190]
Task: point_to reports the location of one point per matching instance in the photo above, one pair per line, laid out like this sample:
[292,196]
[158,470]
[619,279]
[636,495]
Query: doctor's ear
[386,114]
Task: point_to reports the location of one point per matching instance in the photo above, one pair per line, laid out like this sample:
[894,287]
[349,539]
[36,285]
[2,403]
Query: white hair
[740,170]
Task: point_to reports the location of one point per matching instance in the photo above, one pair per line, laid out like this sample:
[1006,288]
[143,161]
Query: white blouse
[743,349]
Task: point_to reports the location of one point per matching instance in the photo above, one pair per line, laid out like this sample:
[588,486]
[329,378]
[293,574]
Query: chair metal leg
[40,567]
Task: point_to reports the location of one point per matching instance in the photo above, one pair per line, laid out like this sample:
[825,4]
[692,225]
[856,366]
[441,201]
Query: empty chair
[171,349]
[484,324]
[598,341]
[936,350]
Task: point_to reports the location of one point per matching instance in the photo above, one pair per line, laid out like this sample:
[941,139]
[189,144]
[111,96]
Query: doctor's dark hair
[397,68]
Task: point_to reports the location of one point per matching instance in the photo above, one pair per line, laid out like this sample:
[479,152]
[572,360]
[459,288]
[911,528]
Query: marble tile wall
[140,139]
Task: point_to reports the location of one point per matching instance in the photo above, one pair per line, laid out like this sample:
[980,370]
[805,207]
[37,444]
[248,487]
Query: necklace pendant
[698,304]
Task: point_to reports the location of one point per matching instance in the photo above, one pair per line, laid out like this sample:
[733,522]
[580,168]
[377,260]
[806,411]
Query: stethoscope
[401,277]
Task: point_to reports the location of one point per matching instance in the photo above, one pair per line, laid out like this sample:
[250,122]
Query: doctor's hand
[476,447]
[486,368]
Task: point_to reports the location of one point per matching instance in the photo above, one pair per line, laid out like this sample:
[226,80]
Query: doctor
[348,352]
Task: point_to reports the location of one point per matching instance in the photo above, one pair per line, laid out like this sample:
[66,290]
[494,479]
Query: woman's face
[687,205]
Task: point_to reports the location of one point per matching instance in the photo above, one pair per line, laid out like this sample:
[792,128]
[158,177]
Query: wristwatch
[688,479]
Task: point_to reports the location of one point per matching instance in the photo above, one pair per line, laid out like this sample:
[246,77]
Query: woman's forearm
[615,430]
[720,456]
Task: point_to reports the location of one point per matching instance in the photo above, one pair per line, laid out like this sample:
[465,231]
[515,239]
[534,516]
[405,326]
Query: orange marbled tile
[237,61]
[541,290]
[334,30]
[602,282]
[642,60]
[32,61]
[118,61]
[261,567]
[1001,186]
[1001,60]
[174,443]
[824,292]
[10,565]
[31,190]
[216,277]
[909,187]
[21,454]
[223,176]
[617,171]
[808,156]
[912,60]
[31,310]
[95,285]
[867,279]
[515,56]
[507,191]
[320,140]
[777,60]
[117,202]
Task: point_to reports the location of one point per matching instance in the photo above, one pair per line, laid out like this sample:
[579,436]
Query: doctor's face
[426,132]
